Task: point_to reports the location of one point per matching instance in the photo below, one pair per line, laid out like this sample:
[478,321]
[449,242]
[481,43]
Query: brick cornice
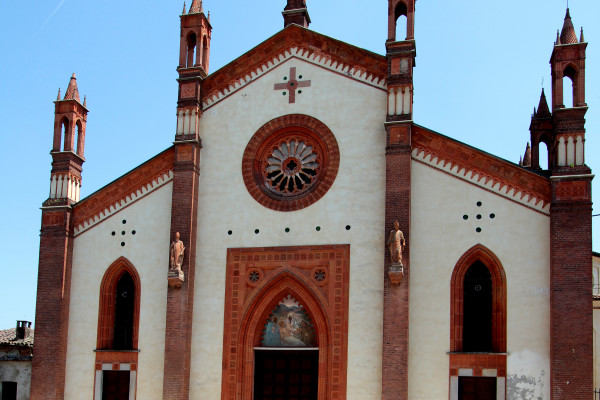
[482,169]
[295,41]
[123,191]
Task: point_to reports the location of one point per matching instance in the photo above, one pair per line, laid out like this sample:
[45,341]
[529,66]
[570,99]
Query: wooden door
[470,388]
[286,375]
[115,385]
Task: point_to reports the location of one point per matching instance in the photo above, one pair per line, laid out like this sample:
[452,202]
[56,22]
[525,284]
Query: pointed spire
[85,101]
[568,35]
[196,7]
[521,161]
[527,157]
[557,43]
[209,18]
[72,93]
[58,97]
[184,9]
[581,39]
[543,111]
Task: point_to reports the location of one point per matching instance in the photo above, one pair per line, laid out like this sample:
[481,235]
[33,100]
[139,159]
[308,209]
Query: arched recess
[107,308]
[259,309]
[570,96]
[401,18]
[80,138]
[478,253]
[191,49]
[65,133]
[317,277]
[205,53]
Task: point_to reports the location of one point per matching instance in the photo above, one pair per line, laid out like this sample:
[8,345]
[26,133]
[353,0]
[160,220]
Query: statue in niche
[177,250]
[396,244]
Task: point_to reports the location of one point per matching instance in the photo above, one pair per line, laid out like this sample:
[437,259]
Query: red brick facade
[396,297]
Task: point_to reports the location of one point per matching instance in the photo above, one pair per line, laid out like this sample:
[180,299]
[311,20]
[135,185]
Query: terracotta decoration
[177,250]
[176,276]
[396,244]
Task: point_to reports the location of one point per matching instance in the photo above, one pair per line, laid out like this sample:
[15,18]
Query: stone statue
[177,250]
[396,244]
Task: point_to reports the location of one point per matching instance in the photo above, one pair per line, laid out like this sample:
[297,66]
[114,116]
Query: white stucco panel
[356,199]
[148,251]
[519,236]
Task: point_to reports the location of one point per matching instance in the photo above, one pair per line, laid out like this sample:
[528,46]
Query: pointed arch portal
[286,311]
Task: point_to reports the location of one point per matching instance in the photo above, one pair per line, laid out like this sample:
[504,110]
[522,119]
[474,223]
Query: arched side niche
[107,308]
[257,281]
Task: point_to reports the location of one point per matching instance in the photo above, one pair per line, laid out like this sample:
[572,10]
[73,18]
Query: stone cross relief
[292,85]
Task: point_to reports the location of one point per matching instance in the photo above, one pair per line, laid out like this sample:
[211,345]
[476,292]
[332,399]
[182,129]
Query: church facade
[298,244]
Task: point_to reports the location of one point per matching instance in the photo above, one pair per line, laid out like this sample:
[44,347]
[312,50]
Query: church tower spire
[571,351]
[401,53]
[70,117]
[295,12]
[56,246]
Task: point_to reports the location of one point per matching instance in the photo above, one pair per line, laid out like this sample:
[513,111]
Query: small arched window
[401,16]
[191,50]
[79,138]
[569,86]
[478,303]
[118,320]
[65,134]
[205,53]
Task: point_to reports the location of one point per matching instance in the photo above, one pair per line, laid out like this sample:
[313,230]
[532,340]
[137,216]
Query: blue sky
[479,74]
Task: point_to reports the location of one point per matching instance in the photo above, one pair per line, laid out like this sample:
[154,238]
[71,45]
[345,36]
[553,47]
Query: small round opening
[122,244]
[256,231]
[465,217]
[479,204]
[287,230]
[230,232]
[478,230]
[318,228]
[347,227]
[124,221]
[133,232]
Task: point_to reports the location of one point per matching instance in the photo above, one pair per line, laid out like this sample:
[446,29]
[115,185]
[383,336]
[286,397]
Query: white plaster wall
[19,372]
[355,113]
[94,251]
[519,237]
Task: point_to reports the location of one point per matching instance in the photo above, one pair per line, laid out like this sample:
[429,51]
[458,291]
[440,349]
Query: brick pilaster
[396,297]
[180,301]
[52,306]
[571,351]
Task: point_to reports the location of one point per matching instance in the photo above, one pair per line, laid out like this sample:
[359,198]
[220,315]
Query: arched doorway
[285,322]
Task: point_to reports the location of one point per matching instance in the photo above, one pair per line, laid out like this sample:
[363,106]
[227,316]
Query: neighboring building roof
[8,338]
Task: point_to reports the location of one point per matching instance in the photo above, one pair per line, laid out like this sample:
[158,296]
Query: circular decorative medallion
[290,162]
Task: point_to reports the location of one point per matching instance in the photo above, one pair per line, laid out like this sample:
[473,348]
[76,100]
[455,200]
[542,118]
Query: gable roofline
[124,190]
[295,41]
[482,169]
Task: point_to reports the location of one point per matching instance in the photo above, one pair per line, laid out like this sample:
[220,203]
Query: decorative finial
[85,101]
[201,9]
[557,38]
[521,161]
[582,40]
[58,97]
[209,20]
[184,9]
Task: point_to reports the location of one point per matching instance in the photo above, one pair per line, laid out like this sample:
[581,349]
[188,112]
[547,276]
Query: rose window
[292,167]
[290,163]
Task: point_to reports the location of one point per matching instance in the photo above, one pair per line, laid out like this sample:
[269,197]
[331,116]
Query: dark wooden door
[115,385]
[476,388]
[286,374]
